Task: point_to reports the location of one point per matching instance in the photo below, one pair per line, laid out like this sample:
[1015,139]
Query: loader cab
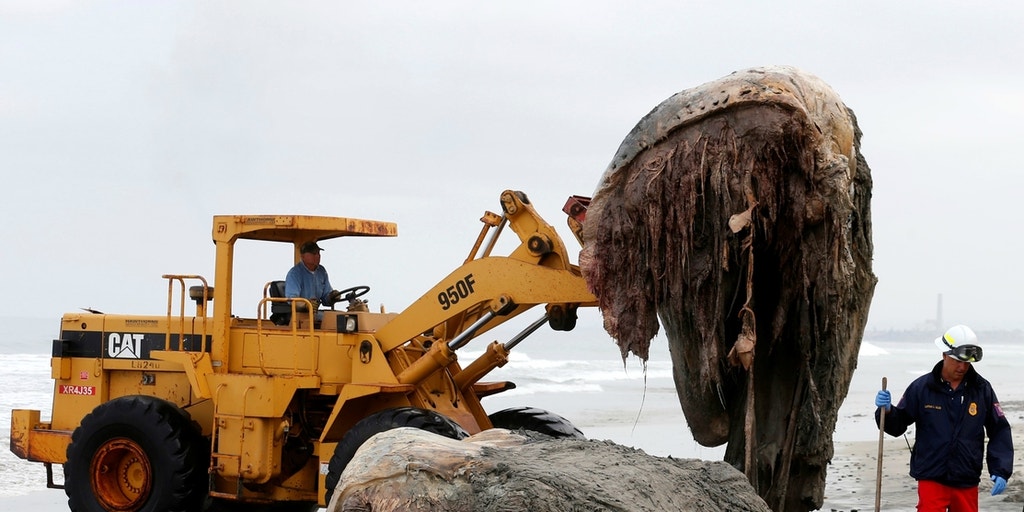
[289,229]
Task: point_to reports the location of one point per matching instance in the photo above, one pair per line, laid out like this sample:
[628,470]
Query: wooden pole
[881,439]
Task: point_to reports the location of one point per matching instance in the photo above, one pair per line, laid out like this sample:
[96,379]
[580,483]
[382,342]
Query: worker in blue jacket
[953,407]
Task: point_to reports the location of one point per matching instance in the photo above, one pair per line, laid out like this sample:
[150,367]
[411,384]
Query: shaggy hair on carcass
[738,214]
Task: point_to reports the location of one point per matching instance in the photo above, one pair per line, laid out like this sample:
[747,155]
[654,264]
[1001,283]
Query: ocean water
[579,375]
[24,384]
[900,362]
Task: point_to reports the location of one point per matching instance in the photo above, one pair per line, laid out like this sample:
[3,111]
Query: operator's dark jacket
[951,427]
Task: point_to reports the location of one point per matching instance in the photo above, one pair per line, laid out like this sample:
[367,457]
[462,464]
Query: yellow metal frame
[247,382]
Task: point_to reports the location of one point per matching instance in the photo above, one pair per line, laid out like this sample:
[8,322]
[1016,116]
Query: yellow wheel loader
[205,408]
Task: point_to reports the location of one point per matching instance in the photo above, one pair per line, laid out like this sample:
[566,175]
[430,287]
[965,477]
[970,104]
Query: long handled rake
[881,439]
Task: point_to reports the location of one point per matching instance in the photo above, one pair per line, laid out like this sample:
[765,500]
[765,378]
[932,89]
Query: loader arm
[488,282]
[536,272]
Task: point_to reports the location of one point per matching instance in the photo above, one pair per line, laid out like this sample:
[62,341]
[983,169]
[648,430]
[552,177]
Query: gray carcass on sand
[409,470]
[738,213]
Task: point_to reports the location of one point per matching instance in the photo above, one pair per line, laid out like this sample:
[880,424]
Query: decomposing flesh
[738,213]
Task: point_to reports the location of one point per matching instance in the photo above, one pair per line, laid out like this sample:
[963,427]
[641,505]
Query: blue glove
[884,399]
[999,486]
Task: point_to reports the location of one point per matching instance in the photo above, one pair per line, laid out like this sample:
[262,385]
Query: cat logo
[973,409]
[124,346]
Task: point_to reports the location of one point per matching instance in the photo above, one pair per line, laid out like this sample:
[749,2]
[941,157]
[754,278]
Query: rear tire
[382,421]
[535,420]
[137,454]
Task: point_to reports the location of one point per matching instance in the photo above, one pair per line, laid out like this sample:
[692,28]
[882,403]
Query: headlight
[348,323]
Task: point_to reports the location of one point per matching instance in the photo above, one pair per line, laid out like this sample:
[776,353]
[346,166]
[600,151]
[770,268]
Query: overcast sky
[125,126]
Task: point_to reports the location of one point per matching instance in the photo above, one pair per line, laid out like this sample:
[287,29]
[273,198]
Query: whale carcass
[738,214]
[408,469]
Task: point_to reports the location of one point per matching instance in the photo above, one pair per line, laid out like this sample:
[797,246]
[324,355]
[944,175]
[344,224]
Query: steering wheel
[353,293]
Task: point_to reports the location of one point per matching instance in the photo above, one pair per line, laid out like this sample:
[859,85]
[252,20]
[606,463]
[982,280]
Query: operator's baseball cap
[310,247]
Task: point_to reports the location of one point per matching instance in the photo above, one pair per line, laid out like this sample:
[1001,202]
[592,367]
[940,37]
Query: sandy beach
[852,478]
[850,487]
[643,412]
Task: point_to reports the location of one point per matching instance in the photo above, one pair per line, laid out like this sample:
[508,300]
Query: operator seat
[280,311]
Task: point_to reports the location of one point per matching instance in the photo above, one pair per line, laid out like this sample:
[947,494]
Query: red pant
[935,497]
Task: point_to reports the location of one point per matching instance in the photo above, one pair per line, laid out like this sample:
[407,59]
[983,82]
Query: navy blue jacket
[951,426]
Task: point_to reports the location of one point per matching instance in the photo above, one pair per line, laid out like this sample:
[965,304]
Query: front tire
[535,420]
[382,421]
[136,454]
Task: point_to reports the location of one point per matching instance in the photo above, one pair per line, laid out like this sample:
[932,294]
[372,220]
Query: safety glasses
[966,353]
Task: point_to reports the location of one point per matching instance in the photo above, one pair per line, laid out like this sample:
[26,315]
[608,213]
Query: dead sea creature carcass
[738,214]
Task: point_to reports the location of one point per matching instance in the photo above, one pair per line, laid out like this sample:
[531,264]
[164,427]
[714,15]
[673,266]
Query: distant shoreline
[928,334]
[38,325]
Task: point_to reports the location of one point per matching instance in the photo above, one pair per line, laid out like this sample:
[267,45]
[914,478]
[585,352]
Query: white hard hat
[960,343]
[956,336]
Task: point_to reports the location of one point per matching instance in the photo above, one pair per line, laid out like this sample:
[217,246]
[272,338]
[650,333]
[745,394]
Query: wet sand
[851,483]
[851,480]
[646,415]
